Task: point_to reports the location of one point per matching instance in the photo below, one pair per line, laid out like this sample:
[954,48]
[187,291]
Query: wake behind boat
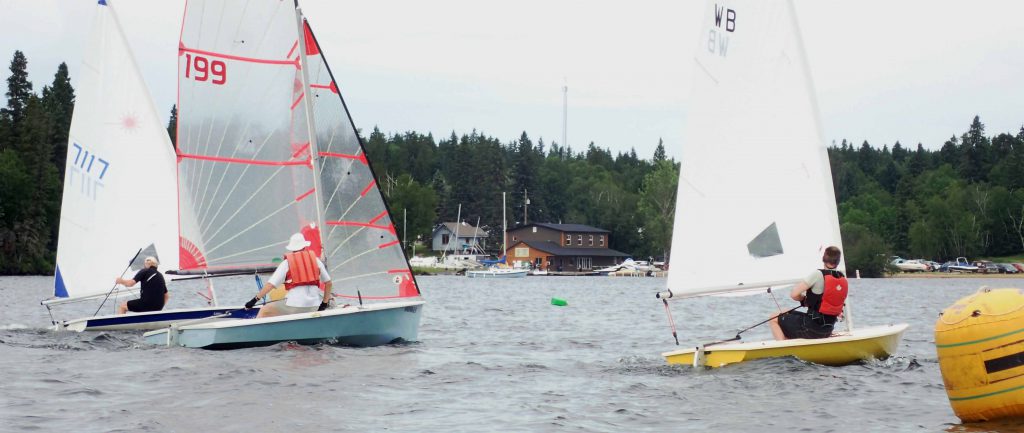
[755,205]
[266,149]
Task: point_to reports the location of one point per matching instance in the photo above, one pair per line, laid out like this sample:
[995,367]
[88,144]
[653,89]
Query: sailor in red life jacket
[301,273]
[823,292]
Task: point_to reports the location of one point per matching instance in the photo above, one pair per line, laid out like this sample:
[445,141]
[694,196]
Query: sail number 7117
[200,68]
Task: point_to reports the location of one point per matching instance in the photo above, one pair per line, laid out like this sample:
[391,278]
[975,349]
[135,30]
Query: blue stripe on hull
[172,316]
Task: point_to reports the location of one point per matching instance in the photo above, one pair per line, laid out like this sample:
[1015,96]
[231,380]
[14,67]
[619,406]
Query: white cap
[297,242]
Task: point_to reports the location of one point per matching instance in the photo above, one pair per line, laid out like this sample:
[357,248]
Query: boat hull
[370,325]
[497,274]
[876,342]
[150,320]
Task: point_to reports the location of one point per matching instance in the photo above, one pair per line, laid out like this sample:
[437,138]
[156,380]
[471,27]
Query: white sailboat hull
[497,273]
[877,342]
[365,326]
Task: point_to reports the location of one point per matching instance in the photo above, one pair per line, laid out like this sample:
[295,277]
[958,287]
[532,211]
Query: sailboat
[755,206]
[119,189]
[266,148]
[495,270]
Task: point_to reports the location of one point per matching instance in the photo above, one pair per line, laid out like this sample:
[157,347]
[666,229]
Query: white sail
[245,167]
[119,183]
[360,244]
[268,149]
[755,205]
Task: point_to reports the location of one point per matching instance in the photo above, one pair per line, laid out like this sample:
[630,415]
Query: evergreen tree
[59,102]
[172,126]
[659,152]
[19,90]
[975,158]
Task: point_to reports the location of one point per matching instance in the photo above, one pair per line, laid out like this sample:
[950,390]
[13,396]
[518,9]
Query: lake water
[493,355]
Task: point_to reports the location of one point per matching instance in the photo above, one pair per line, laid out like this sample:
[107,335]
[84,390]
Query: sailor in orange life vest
[823,292]
[300,272]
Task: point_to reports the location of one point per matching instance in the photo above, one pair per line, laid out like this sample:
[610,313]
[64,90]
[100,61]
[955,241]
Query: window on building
[445,239]
[535,229]
[568,239]
[584,263]
[579,239]
[602,240]
[591,240]
[522,252]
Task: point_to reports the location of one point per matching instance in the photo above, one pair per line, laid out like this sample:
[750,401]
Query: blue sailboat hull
[151,320]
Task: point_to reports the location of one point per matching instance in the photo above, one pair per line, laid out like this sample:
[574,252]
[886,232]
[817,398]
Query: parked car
[1006,268]
[1019,266]
[932,266]
[985,267]
[910,265]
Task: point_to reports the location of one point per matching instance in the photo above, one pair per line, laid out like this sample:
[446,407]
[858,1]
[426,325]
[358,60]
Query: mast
[314,152]
[504,229]
[565,113]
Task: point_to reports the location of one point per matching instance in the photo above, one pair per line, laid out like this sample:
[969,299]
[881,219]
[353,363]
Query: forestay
[256,166]
[119,181]
[755,205]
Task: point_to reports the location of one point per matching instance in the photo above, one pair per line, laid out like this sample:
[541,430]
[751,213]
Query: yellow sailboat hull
[877,342]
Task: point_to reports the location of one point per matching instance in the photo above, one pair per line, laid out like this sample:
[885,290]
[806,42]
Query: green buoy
[558,302]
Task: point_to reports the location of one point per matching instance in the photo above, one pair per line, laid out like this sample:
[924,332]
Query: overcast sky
[912,71]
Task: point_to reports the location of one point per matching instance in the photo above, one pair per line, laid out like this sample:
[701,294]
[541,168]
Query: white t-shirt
[300,296]
[815,281]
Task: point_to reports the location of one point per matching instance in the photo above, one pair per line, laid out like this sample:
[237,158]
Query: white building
[471,240]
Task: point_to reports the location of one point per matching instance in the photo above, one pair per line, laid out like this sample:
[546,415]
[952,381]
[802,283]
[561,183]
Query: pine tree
[19,90]
[59,102]
[659,152]
[172,126]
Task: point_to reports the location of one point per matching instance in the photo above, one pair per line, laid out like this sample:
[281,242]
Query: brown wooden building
[562,247]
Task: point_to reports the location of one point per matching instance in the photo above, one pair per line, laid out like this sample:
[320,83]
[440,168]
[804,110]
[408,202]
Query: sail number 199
[202,69]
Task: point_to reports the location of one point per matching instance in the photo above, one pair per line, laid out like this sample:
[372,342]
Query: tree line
[965,199]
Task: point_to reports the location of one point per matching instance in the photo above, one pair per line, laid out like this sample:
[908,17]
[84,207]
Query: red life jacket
[302,270]
[831,301]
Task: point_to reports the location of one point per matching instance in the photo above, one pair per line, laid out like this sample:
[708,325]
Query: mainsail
[755,205]
[267,149]
[119,190]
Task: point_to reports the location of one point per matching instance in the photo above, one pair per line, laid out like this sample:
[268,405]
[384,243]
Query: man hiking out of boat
[823,292]
[153,294]
[301,273]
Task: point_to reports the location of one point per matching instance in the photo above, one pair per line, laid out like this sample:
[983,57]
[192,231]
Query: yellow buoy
[980,343]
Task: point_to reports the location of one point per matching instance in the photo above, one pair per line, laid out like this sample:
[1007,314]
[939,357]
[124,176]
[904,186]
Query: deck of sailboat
[843,348]
[151,319]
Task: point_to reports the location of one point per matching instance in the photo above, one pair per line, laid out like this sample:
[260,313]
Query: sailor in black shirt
[153,294]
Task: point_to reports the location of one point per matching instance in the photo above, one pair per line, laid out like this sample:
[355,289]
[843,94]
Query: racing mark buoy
[980,344]
[558,302]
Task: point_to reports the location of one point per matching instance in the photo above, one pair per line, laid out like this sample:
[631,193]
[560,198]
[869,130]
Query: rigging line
[342,216]
[243,205]
[253,225]
[337,187]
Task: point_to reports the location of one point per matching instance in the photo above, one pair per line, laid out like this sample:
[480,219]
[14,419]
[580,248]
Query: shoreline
[951,275]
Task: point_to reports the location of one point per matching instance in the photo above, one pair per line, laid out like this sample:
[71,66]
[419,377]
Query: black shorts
[137,306]
[796,324]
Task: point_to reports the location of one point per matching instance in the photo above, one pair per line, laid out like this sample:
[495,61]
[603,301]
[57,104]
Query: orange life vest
[831,301]
[302,270]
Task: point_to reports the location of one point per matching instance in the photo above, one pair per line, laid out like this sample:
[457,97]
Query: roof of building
[566,227]
[558,250]
[465,230]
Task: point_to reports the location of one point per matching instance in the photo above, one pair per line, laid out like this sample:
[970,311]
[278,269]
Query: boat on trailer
[755,205]
[267,148]
[116,145]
